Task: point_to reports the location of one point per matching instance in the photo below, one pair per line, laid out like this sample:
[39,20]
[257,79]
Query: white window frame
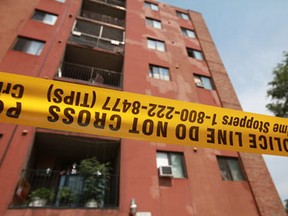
[158,72]
[230,168]
[182,15]
[197,54]
[154,23]
[203,82]
[156,44]
[151,6]
[188,32]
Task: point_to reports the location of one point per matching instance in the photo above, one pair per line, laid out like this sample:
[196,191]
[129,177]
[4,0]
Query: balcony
[102,18]
[66,190]
[90,75]
[102,12]
[91,67]
[93,34]
[96,42]
[112,2]
[54,171]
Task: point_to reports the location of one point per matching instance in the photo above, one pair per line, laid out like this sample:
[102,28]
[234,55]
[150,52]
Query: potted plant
[96,177]
[40,197]
[67,196]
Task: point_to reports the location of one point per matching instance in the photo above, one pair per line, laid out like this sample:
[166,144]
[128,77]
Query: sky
[250,36]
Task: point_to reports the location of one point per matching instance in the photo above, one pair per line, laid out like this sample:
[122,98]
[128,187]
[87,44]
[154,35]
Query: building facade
[145,47]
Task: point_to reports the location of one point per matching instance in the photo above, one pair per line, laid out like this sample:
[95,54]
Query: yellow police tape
[78,108]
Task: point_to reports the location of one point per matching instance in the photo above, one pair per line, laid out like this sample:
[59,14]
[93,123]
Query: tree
[286,205]
[279,89]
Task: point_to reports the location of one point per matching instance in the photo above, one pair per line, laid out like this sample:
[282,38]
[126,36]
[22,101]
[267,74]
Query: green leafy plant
[67,196]
[42,193]
[96,178]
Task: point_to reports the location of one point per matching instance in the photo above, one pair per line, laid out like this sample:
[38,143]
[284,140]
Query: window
[44,17]
[230,168]
[154,23]
[155,44]
[159,72]
[182,15]
[195,54]
[176,160]
[203,82]
[151,6]
[30,46]
[187,32]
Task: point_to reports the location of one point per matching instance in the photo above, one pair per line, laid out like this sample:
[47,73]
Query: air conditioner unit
[59,72]
[114,42]
[165,171]
[76,33]
[200,84]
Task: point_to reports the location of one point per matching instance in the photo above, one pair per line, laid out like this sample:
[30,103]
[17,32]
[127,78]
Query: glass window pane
[162,159]
[164,73]
[185,16]
[184,32]
[177,165]
[197,79]
[160,46]
[149,22]
[225,174]
[179,14]
[151,44]
[50,19]
[154,7]
[34,48]
[147,4]
[198,55]
[190,33]
[156,73]
[38,15]
[207,83]
[157,24]
[235,169]
[151,71]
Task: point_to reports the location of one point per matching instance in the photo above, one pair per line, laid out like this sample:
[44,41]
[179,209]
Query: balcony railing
[93,41]
[114,2]
[90,74]
[102,18]
[67,190]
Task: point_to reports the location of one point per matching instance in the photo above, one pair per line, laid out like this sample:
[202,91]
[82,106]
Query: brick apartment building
[145,47]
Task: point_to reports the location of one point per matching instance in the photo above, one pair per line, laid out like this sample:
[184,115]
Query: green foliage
[67,196]
[286,205]
[279,89]
[43,193]
[96,178]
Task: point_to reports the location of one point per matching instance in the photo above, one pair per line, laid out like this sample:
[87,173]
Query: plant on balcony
[40,197]
[67,196]
[96,178]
